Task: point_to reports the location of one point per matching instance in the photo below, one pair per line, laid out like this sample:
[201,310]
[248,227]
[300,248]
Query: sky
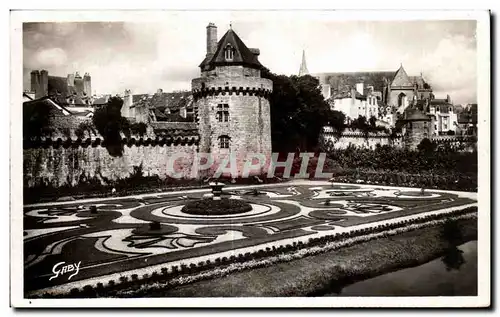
[165,53]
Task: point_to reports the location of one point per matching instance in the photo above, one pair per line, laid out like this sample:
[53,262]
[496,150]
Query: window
[224,142]
[401,99]
[229,52]
[222,112]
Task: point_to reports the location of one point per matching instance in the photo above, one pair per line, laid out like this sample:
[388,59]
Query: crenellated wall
[358,139]
[67,162]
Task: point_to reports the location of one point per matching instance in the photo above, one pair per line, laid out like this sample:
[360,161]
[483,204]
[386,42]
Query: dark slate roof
[412,114]
[175,128]
[137,98]
[401,78]
[343,81]
[348,94]
[101,101]
[55,110]
[164,100]
[242,55]
[59,91]
[439,102]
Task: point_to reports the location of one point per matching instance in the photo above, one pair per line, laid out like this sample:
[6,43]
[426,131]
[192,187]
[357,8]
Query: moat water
[454,274]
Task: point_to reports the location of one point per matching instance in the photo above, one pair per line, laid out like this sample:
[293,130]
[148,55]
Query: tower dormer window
[229,52]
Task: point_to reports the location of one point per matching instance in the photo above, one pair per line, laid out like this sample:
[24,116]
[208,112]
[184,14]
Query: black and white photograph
[250,158]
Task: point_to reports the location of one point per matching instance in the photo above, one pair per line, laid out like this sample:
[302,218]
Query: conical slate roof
[242,54]
[401,78]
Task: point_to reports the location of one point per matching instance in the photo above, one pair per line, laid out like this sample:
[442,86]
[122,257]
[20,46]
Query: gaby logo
[61,269]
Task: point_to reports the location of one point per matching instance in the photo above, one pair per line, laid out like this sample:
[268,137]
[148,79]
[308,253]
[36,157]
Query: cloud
[165,53]
[53,57]
[452,67]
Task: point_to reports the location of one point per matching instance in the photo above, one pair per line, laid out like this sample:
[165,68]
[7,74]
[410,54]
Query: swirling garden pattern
[117,238]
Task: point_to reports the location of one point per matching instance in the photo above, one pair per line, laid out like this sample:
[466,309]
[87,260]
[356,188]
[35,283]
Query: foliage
[138,128]
[216,207]
[405,160]
[426,146]
[110,123]
[36,121]
[298,112]
[83,127]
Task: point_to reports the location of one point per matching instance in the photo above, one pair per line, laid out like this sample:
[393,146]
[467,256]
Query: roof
[101,100]
[164,100]
[59,90]
[348,94]
[343,81]
[440,102]
[27,96]
[401,78]
[175,128]
[412,114]
[137,98]
[55,109]
[242,54]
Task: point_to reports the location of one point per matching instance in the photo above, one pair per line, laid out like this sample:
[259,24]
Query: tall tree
[109,122]
[298,112]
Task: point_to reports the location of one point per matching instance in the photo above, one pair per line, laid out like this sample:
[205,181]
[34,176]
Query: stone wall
[61,165]
[358,139]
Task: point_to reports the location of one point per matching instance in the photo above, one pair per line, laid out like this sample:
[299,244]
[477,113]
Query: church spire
[303,67]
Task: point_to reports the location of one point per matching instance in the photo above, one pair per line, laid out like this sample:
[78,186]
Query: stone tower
[303,66]
[417,126]
[232,101]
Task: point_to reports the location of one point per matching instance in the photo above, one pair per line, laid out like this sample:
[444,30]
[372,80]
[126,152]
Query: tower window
[229,53]
[222,112]
[224,142]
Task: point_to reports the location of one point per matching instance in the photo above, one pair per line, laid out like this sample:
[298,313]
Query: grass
[315,275]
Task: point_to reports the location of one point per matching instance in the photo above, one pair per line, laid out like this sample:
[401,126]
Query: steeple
[303,67]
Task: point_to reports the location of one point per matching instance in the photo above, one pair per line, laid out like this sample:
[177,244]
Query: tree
[36,120]
[298,112]
[426,146]
[109,122]
[373,122]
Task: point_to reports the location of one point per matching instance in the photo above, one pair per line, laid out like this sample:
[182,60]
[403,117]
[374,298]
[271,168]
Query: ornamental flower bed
[172,276]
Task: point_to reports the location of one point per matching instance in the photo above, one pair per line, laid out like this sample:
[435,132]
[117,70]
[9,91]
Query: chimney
[71,80]
[353,95]
[44,82]
[211,38]
[35,83]
[360,88]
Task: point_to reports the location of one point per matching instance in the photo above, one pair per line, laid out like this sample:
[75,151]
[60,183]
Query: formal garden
[163,240]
